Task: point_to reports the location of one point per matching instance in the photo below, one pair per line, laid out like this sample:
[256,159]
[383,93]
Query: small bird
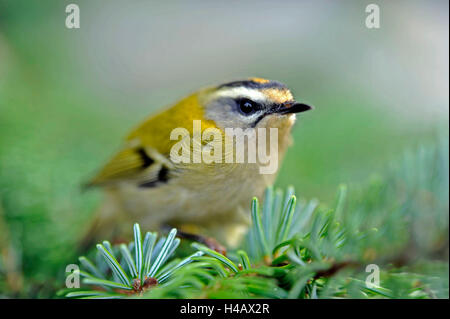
[145,183]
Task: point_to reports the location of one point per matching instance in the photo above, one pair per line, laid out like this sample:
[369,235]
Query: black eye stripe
[254,85]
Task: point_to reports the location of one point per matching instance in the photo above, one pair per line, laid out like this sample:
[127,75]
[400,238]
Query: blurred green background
[68,96]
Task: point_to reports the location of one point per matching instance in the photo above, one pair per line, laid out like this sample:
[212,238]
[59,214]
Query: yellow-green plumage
[154,134]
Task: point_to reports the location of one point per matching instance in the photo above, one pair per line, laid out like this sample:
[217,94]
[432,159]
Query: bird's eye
[247,107]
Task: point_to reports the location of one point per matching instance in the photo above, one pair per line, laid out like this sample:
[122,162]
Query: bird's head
[251,103]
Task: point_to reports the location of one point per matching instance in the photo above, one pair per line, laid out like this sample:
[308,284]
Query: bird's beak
[291,107]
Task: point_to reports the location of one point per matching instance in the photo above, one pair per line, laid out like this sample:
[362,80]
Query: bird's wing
[145,158]
[144,166]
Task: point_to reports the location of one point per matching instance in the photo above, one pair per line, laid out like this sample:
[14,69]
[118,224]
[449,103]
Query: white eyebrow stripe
[236,92]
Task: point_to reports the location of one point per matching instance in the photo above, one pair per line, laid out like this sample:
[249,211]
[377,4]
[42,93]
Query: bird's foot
[209,242]
[213,244]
